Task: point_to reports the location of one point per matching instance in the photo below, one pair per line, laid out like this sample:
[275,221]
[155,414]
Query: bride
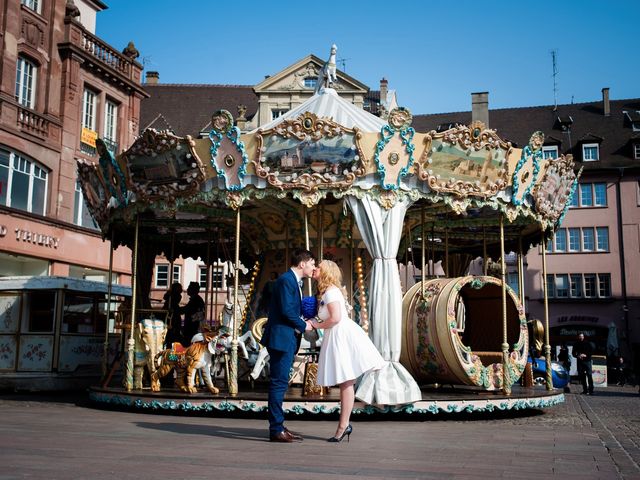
[346,352]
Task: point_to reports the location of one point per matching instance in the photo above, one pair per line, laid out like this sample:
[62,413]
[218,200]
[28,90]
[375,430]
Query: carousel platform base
[253,402]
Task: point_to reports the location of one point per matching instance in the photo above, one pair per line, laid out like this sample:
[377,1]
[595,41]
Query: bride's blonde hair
[331,275]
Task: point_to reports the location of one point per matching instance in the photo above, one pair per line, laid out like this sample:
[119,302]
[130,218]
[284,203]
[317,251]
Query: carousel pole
[233,374]
[173,246]
[207,306]
[547,347]
[320,231]
[520,273]
[134,299]
[423,251]
[286,242]
[351,256]
[105,352]
[433,249]
[485,267]
[446,252]
[506,378]
[306,241]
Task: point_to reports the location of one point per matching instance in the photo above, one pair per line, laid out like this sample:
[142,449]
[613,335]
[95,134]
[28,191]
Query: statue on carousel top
[327,75]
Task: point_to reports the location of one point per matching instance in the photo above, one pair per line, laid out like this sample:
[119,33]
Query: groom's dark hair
[300,255]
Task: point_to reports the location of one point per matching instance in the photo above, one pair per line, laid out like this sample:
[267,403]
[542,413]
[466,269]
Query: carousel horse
[186,361]
[327,74]
[148,337]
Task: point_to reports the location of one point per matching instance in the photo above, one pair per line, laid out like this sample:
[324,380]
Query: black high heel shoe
[347,432]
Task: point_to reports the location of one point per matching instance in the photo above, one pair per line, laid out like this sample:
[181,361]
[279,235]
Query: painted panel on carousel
[553,194]
[76,351]
[228,155]
[115,174]
[9,312]
[394,151]
[36,353]
[465,161]
[308,153]
[527,169]
[164,166]
[94,190]
[7,352]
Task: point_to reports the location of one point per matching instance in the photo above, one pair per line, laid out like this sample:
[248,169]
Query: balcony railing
[111,146]
[32,122]
[105,53]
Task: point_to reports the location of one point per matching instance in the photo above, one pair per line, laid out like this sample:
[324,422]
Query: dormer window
[636,151]
[550,151]
[632,118]
[590,152]
[564,122]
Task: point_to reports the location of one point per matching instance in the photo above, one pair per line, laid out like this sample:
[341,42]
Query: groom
[281,336]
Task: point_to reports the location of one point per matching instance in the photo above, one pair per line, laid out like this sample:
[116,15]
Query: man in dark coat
[583,350]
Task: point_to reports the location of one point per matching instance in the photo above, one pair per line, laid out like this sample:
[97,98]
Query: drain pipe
[623,272]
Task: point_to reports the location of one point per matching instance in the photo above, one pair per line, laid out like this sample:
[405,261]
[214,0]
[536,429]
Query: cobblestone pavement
[62,437]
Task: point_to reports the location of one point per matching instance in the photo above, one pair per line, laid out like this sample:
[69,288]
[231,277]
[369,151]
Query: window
[588,244]
[89,106]
[600,190]
[23,183]
[636,151]
[26,73]
[574,239]
[310,82]
[277,113]
[550,151]
[604,285]
[111,124]
[562,286]
[602,238]
[217,278]
[561,240]
[551,291]
[39,305]
[586,195]
[81,214]
[203,277]
[576,285]
[590,152]
[590,285]
[162,275]
[575,202]
[32,5]
[512,281]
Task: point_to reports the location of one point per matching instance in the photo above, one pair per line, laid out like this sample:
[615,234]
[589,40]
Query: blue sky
[434,54]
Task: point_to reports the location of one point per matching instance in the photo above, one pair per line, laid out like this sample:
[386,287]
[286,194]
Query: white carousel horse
[327,74]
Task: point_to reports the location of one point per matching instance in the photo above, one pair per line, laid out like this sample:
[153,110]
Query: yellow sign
[88,137]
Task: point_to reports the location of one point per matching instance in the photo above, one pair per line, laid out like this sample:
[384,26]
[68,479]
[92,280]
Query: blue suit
[282,342]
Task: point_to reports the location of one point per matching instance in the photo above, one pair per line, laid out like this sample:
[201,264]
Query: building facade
[61,87]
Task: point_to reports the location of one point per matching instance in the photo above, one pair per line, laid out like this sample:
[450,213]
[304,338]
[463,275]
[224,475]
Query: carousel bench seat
[487,358]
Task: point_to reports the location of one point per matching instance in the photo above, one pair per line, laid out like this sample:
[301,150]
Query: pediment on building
[292,79]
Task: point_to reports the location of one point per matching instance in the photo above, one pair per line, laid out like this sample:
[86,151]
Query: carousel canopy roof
[328,104]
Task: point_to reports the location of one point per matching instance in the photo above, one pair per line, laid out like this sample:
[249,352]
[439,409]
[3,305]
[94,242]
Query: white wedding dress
[346,352]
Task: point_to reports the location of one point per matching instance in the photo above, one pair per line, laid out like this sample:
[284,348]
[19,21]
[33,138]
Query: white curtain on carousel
[381,230]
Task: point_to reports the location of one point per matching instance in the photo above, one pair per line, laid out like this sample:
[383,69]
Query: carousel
[362,191]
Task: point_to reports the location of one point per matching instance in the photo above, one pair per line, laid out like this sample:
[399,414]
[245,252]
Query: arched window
[23,183]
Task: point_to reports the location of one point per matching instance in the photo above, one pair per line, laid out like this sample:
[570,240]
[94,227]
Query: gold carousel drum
[454,335]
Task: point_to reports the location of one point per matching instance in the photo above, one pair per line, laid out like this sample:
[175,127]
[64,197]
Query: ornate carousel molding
[527,169]
[228,155]
[554,192]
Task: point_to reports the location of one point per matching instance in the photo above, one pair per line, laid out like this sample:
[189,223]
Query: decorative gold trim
[552,193]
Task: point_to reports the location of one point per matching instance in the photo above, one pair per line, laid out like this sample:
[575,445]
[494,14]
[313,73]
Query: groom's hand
[309,326]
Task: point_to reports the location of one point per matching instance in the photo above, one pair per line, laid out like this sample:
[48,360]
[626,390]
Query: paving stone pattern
[63,437]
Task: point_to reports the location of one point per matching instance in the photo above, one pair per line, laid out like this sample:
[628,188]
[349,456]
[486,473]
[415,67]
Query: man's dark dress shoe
[282,437]
[294,435]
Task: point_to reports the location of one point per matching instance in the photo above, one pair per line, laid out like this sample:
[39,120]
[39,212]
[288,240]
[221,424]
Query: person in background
[621,371]
[172,300]
[193,312]
[583,350]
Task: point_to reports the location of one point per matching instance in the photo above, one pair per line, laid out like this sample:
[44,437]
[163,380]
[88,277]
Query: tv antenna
[554,60]
[343,62]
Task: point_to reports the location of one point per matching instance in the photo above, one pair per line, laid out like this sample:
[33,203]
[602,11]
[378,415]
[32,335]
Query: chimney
[384,89]
[480,107]
[152,78]
[606,106]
